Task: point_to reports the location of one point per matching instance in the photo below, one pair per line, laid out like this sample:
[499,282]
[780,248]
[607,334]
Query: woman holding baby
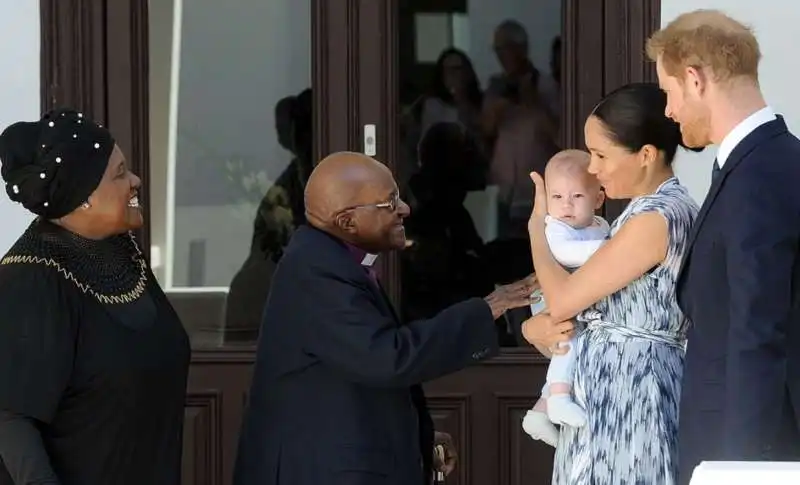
[629,353]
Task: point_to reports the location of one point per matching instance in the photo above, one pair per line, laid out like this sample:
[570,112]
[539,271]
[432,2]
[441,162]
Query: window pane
[231,139]
[465,175]
[433,33]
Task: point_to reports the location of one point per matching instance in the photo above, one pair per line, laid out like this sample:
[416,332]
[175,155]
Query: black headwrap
[52,166]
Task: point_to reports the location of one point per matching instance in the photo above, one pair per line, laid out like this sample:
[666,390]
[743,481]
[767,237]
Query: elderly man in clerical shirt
[336,395]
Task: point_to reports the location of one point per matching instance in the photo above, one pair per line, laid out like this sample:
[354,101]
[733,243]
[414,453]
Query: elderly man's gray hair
[514,31]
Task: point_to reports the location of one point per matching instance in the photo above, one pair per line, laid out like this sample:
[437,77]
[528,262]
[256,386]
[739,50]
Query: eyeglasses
[391,204]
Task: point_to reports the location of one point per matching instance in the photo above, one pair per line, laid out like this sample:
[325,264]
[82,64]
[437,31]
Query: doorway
[360,64]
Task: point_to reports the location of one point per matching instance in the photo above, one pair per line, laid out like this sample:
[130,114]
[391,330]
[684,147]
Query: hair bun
[32,153]
[679,136]
[18,164]
[17,146]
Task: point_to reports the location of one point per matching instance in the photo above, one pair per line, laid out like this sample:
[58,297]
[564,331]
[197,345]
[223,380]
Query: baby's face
[572,199]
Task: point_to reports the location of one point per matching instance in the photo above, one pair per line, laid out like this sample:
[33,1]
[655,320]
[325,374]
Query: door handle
[370,141]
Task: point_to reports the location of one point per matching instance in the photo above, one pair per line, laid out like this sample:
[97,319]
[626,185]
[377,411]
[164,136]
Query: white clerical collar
[363,257]
[369,259]
[740,132]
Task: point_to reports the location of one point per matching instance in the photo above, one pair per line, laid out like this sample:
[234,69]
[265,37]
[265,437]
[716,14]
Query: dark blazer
[336,396]
[740,287]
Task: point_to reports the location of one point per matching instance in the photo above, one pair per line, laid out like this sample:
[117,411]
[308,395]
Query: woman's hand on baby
[543,332]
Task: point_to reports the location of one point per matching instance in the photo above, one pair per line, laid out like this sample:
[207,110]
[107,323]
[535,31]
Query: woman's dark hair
[634,117]
[438,88]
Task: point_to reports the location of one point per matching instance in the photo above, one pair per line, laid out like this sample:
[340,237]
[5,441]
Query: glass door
[241,100]
[467,97]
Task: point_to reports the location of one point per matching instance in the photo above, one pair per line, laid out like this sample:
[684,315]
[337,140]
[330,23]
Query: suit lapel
[377,290]
[339,252]
[336,250]
[748,144]
[701,216]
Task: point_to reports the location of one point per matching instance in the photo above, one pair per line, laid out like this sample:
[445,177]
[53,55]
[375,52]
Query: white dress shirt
[740,132]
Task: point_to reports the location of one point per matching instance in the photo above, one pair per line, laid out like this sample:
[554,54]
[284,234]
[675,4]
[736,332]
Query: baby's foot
[539,427]
[561,409]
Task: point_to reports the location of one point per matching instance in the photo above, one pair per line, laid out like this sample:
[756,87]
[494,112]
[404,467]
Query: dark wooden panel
[523,460]
[226,375]
[481,407]
[202,432]
[627,24]
[334,70]
[491,431]
[73,62]
[452,413]
[582,66]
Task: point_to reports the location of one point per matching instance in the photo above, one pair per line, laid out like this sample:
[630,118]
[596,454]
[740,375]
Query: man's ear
[696,80]
[346,222]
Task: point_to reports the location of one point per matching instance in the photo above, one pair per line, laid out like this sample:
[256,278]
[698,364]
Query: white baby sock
[561,409]
[539,427]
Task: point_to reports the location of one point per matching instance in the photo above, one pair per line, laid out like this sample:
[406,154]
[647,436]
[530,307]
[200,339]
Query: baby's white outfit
[571,247]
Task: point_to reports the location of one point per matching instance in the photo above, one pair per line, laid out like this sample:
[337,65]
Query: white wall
[19,94]
[775,23]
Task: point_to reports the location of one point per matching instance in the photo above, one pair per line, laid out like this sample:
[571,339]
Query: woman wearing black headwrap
[93,360]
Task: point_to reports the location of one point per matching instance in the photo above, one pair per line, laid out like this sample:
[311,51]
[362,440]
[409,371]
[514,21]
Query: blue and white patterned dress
[629,367]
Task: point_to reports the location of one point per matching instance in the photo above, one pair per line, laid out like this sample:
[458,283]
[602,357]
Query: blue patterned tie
[715,171]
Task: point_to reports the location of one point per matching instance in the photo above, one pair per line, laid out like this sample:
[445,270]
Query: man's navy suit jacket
[740,287]
[335,396]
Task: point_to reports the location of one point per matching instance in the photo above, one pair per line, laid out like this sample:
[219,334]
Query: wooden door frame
[94,57]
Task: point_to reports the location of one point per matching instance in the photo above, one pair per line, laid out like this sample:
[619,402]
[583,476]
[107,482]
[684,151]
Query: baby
[573,233]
